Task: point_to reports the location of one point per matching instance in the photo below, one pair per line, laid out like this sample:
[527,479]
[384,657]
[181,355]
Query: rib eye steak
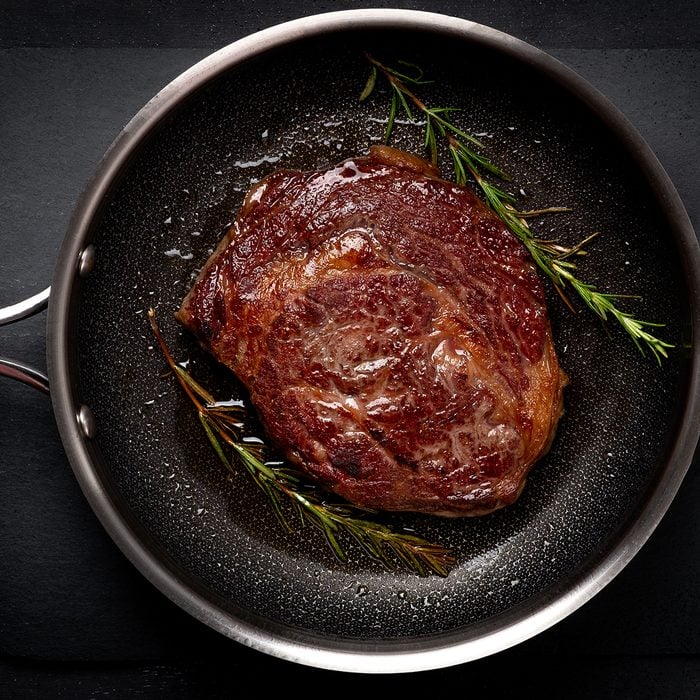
[392,333]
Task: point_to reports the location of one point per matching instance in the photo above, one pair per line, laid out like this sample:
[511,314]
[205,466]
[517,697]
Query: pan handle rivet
[86,421]
[86,261]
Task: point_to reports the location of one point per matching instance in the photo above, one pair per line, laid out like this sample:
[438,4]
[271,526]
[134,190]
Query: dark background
[76,619]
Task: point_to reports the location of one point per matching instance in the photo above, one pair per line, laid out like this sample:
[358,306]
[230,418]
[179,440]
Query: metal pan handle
[16,312]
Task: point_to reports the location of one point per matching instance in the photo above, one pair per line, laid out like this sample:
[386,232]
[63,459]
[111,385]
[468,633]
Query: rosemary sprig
[552,258]
[222,425]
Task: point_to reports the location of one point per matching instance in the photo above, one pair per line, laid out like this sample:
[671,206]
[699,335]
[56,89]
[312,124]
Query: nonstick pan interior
[209,539]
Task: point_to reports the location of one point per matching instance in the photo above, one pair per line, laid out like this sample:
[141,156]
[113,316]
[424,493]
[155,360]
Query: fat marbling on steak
[392,333]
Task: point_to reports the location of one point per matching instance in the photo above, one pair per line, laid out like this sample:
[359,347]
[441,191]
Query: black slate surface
[76,619]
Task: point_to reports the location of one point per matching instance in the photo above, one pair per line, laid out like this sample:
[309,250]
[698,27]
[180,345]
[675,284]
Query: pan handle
[10,314]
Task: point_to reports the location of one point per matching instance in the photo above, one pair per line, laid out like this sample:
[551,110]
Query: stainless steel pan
[158,203]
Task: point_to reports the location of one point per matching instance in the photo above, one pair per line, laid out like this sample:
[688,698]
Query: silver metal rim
[414,655]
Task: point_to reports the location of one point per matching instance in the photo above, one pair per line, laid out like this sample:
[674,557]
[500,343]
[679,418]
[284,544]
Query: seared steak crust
[392,333]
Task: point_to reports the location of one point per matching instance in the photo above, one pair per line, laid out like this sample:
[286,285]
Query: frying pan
[158,203]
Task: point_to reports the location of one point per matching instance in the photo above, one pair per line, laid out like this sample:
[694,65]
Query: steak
[392,333]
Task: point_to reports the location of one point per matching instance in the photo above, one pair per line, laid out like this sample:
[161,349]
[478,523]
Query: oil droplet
[176,252]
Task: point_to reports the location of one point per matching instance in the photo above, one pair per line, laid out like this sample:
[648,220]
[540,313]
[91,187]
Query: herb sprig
[554,259]
[222,424]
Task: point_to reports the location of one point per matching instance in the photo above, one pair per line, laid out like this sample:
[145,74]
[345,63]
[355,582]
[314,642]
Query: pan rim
[399,657]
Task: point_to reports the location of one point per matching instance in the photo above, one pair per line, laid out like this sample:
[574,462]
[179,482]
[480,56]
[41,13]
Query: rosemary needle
[467,161]
[281,483]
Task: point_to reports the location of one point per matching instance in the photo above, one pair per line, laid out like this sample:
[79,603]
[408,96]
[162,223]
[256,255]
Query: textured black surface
[168,214]
[68,594]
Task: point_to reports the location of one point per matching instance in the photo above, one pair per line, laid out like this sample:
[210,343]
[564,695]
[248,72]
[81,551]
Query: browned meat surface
[392,333]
